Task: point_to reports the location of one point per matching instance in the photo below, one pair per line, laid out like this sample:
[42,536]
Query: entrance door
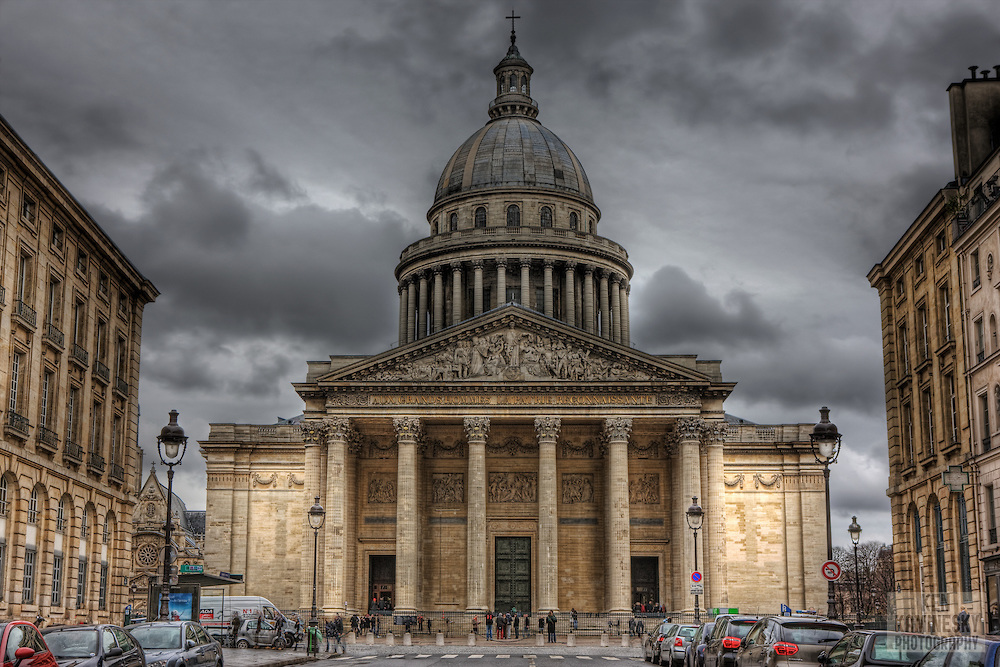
[513,574]
[381,582]
[645,580]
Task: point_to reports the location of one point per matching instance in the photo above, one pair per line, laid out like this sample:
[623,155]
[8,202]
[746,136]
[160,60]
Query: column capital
[547,428]
[476,428]
[501,262]
[589,268]
[525,262]
[570,265]
[617,429]
[477,264]
[314,431]
[615,278]
[437,270]
[603,274]
[548,263]
[689,428]
[423,275]
[407,428]
[339,427]
[405,283]
[456,266]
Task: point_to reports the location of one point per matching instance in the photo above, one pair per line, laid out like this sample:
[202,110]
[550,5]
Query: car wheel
[242,643]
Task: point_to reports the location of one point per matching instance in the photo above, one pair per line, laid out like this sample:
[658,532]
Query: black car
[93,645]
[695,654]
[721,647]
[177,644]
[878,647]
[789,641]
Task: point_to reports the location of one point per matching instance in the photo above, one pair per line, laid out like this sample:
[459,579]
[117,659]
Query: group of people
[508,624]
[636,627]
[649,608]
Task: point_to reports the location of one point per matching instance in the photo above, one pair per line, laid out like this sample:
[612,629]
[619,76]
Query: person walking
[338,635]
[963,622]
[475,625]
[576,619]
[489,625]
[550,623]
[328,631]
[541,624]
[517,626]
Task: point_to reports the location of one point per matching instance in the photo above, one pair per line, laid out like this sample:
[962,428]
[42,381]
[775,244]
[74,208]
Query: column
[526,282]
[422,307]
[547,429]
[626,328]
[689,431]
[569,294]
[605,312]
[338,554]
[456,292]
[588,298]
[411,310]
[407,515]
[476,431]
[438,300]
[313,434]
[501,281]
[548,286]
[402,313]
[616,310]
[617,538]
[715,521]
[477,273]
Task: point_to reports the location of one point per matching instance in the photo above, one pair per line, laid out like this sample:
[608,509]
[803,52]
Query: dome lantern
[513,76]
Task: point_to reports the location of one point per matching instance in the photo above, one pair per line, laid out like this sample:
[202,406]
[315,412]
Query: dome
[514,151]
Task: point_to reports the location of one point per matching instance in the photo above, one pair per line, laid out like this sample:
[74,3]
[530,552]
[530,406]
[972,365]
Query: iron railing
[80,355]
[47,439]
[102,372]
[116,473]
[95,462]
[121,386]
[18,423]
[73,453]
[54,335]
[25,313]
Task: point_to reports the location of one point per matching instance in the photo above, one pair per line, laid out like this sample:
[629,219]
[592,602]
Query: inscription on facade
[577,488]
[513,487]
[644,489]
[518,399]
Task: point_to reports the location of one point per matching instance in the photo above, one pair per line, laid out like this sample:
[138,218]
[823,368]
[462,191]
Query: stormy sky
[264,163]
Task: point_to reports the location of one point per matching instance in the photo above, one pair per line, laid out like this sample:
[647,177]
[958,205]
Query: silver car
[677,641]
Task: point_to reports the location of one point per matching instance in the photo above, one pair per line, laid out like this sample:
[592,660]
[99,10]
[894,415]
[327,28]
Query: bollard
[390,639]
[539,640]
[472,639]
[351,638]
[571,639]
[370,638]
[604,639]
[439,640]
[407,639]
[625,641]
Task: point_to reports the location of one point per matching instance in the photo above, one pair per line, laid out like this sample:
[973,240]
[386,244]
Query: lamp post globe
[171,444]
[317,516]
[825,443]
[854,530]
[695,516]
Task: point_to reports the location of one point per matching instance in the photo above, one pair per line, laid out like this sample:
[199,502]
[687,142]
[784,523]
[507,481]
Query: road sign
[698,589]
[831,570]
[191,568]
[696,577]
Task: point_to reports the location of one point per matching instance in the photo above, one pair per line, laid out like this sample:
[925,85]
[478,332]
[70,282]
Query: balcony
[16,425]
[47,440]
[95,463]
[54,336]
[73,453]
[79,355]
[116,474]
[25,313]
[121,386]
[102,372]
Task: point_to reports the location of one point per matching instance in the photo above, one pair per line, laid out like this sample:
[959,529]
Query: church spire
[513,76]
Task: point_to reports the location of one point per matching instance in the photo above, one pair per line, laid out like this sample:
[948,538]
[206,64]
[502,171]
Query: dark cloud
[267,180]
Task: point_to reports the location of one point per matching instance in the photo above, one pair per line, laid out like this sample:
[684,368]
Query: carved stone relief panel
[577,488]
[513,487]
[644,489]
[267,481]
[381,488]
[448,487]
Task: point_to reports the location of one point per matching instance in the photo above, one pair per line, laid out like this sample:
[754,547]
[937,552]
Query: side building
[71,306]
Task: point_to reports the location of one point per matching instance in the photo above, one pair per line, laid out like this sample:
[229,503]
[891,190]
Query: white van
[216,611]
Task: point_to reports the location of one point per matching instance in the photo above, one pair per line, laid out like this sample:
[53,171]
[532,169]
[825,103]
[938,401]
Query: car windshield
[153,637]
[665,628]
[739,629]
[67,644]
[904,648]
[813,633]
[688,631]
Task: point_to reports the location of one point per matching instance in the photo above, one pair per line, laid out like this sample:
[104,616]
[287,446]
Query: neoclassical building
[514,449]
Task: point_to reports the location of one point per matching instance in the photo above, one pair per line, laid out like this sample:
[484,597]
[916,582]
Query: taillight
[678,642]
[784,648]
[659,639]
[731,642]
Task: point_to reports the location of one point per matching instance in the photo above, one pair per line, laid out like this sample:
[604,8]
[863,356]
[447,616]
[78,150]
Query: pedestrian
[631,626]
[256,632]
[541,624]
[517,626]
[550,623]
[354,624]
[475,625]
[429,625]
[279,623]
[489,625]
[420,622]
[576,619]
[963,622]
[234,628]
[336,628]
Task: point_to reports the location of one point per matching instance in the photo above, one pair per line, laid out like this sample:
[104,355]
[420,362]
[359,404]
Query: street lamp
[825,443]
[695,516]
[171,445]
[317,515]
[855,531]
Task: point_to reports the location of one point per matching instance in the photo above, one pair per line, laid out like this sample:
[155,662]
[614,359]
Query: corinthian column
[339,526]
[438,300]
[588,298]
[501,281]
[456,292]
[626,327]
[547,429]
[402,312]
[605,312]
[477,277]
[617,538]
[569,294]
[313,436]
[715,523]
[422,306]
[526,282]
[476,431]
[411,311]
[547,285]
[616,310]
[689,431]
[407,515]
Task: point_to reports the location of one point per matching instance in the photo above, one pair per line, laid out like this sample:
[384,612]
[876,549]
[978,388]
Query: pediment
[513,346]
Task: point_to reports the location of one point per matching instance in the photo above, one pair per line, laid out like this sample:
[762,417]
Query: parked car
[878,647]
[695,654]
[652,641]
[93,646]
[962,652]
[730,629]
[789,641]
[23,646]
[673,649]
[177,644]
[248,637]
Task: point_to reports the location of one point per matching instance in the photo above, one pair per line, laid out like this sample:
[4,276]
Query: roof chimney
[972,70]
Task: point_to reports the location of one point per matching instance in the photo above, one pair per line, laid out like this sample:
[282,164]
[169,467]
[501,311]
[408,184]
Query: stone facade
[514,449]
[71,308]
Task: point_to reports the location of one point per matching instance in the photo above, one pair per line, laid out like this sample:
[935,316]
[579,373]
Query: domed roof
[514,151]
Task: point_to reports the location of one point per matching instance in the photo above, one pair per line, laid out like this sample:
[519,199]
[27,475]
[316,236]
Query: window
[24,266]
[17,388]
[85,525]
[928,405]
[513,216]
[121,359]
[73,416]
[29,208]
[974,267]
[58,237]
[4,502]
[942,584]
[453,222]
[590,226]
[480,217]
[103,285]
[918,266]
[944,301]
[81,261]
[79,322]
[116,435]
[546,216]
[964,563]
[942,242]
[81,583]
[953,401]
[33,507]
[106,533]
[903,350]
[900,289]
[54,304]
[28,583]
[61,516]
[991,513]
[993,333]
[48,385]
[918,545]
[101,341]
[984,411]
[57,580]
[574,221]
[925,338]
[3,197]
[907,433]
[123,304]
[102,591]
[980,341]
[3,567]
[96,435]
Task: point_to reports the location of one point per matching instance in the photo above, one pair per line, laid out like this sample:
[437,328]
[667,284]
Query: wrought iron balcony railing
[102,372]
[73,453]
[116,473]
[121,386]
[54,335]
[95,462]
[17,424]
[25,313]
[80,355]
[47,439]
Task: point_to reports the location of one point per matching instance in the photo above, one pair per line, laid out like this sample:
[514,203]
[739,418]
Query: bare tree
[875,575]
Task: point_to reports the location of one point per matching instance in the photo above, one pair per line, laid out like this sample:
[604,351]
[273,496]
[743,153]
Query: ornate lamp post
[695,516]
[855,531]
[317,515]
[825,443]
[171,445]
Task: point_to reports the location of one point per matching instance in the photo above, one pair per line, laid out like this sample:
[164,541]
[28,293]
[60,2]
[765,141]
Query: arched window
[590,226]
[524,84]
[513,82]
[453,222]
[996,400]
[993,333]
[4,499]
[434,227]
[480,217]
[964,563]
[574,221]
[942,583]
[107,530]
[61,516]
[546,216]
[84,524]
[513,216]
[33,507]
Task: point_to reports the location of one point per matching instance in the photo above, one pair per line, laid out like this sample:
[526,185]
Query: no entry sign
[831,570]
